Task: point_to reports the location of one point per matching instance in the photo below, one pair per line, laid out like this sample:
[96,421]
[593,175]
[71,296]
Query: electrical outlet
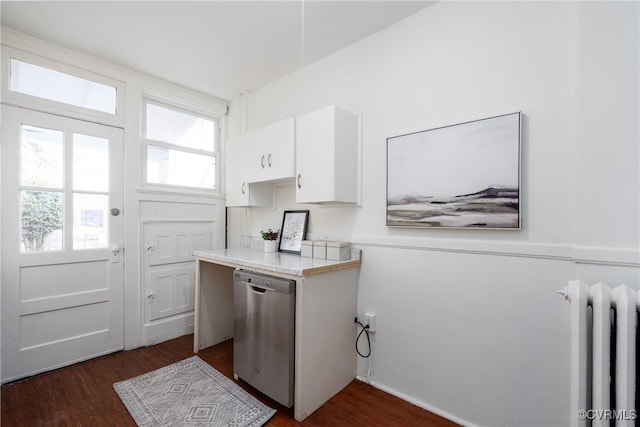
[370,320]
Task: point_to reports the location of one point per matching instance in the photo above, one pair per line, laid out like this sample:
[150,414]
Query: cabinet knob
[242,188]
[299,185]
[269,160]
[262,161]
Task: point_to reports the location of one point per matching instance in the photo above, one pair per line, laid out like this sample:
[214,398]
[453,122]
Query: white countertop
[276,262]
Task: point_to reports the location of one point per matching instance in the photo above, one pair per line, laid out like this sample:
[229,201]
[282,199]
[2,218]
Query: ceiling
[221,48]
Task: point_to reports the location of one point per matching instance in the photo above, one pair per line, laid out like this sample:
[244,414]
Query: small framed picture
[293,231]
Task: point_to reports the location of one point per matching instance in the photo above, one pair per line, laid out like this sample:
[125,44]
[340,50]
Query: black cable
[364,329]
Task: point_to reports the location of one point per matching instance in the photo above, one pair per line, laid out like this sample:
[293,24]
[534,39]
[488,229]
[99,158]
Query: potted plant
[270,238]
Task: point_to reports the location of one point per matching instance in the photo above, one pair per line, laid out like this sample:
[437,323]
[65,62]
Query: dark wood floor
[82,394]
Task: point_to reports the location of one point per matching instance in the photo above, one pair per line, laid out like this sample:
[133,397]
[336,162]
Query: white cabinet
[324,358]
[238,190]
[318,149]
[271,154]
[327,157]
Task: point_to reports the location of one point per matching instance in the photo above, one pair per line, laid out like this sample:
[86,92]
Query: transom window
[46,83]
[181,147]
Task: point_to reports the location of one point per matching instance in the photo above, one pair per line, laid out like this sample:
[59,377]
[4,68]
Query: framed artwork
[460,176]
[293,231]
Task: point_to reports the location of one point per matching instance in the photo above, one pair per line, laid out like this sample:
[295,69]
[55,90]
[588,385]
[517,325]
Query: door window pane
[90,221]
[90,163]
[41,157]
[41,214]
[165,166]
[179,128]
[53,85]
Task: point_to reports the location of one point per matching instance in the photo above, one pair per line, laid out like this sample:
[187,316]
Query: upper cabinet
[270,155]
[318,149]
[327,157]
[238,190]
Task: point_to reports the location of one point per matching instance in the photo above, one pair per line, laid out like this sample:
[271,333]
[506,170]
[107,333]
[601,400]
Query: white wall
[468,322]
[608,127]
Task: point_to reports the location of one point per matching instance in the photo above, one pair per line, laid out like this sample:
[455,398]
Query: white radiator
[603,354]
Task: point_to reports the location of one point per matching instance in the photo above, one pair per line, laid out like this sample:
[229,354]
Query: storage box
[320,249]
[306,250]
[338,251]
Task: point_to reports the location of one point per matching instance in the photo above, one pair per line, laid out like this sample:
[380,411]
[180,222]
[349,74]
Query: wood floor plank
[82,394]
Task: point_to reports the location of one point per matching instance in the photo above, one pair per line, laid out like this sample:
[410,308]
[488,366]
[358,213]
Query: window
[42,82]
[45,194]
[41,189]
[181,147]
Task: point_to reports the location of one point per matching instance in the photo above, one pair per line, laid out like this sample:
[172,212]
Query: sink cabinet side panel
[214,305]
[325,355]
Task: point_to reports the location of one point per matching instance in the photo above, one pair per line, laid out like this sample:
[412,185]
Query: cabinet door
[253,156]
[236,185]
[326,157]
[278,149]
[239,192]
[270,155]
[315,152]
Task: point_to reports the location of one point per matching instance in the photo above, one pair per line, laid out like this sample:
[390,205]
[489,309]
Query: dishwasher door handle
[257,288]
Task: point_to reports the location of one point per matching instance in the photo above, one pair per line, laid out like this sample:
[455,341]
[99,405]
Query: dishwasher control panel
[264,281]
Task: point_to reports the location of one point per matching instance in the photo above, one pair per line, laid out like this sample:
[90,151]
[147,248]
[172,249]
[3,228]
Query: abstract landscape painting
[460,176]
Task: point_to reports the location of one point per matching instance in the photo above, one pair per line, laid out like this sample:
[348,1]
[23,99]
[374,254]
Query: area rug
[190,393]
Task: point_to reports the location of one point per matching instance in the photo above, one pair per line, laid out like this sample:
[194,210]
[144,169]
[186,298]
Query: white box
[338,251]
[320,249]
[306,250]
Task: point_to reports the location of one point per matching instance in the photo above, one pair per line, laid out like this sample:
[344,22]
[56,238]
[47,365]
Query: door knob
[115,211]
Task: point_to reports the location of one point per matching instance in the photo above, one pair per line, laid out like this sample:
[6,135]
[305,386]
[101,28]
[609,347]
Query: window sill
[181,194]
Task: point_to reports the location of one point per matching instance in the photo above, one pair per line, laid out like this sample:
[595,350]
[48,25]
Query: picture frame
[465,175]
[293,231]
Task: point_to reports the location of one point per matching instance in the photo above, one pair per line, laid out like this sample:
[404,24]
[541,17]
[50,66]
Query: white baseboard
[417,402]
[167,329]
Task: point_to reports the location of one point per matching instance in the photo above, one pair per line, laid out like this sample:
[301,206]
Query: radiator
[603,354]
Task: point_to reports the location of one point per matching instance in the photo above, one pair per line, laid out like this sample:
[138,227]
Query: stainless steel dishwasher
[263,342]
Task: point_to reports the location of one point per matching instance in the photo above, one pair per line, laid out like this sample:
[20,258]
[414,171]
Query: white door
[62,228]
[169,276]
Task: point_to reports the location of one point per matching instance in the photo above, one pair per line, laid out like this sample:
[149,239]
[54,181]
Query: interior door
[62,228]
